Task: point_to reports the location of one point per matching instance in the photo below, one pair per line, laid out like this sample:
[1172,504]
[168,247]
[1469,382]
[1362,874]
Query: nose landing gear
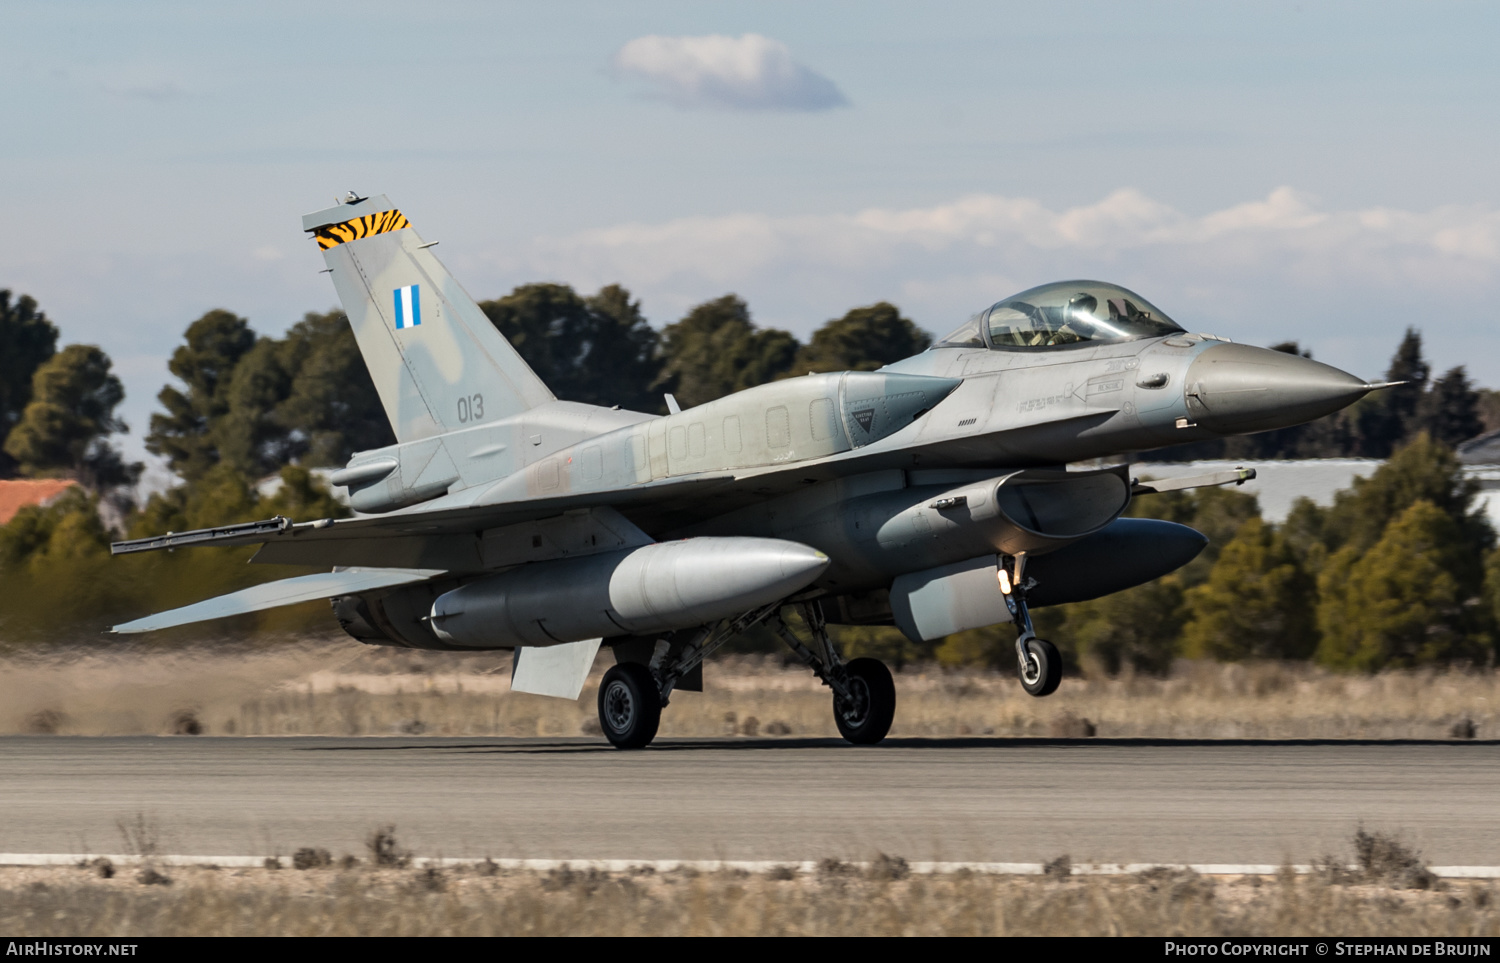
[1038,662]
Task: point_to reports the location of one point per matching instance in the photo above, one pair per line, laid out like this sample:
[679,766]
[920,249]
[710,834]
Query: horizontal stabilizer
[554,670]
[304,588]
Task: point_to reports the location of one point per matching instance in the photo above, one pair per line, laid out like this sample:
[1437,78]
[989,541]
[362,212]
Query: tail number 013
[470,408]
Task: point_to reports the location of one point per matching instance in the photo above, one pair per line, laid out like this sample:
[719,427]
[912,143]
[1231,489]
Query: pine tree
[1449,411]
[186,434]
[716,350]
[862,340]
[1257,602]
[65,427]
[1405,601]
[27,339]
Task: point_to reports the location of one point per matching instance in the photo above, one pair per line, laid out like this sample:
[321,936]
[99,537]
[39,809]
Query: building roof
[16,495]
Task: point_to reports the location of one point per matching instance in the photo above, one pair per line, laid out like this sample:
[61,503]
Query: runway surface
[961,800]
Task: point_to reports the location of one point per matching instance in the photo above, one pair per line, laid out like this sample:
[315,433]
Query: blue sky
[1318,171]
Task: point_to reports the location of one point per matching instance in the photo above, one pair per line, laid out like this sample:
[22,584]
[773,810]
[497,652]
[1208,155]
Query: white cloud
[1281,267]
[749,72]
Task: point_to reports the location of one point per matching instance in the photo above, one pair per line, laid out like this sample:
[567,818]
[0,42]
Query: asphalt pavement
[924,799]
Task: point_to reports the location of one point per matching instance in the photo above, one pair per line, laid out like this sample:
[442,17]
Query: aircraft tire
[1042,676]
[629,706]
[875,692]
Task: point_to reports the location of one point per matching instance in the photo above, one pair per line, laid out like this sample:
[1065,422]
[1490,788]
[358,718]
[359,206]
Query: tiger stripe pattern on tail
[331,235]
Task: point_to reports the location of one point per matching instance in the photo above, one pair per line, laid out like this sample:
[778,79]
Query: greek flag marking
[408,306]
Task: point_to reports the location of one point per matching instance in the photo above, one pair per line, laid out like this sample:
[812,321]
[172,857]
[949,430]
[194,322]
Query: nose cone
[1237,388]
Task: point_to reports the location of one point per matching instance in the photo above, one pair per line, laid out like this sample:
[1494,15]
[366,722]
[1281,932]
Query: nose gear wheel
[1040,667]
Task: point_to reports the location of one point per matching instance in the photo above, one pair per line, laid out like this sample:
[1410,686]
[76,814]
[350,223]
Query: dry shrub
[431,880]
[887,868]
[1385,858]
[1059,868]
[151,876]
[1069,726]
[184,722]
[335,688]
[310,857]
[1165,902]
[140,835]
[44,722]
[385,851]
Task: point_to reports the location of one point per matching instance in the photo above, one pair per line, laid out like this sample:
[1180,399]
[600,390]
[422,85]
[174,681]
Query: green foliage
[28,339]
[882,642]
[1257,602]
[60,577]
[1487,404]
[1216,512]
[1422,471]
[257,404]
[331,409]
[71,412]
[1450,411]
[862,340]
[1492,588]
[716,350]
[187,434]
[1403,603]
[1141,628]
[57,570]
[599,350]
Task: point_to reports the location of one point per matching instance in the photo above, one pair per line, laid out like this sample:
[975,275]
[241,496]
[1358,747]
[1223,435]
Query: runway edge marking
[752,866]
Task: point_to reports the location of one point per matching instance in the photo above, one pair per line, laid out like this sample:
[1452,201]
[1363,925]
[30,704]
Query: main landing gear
[629,706]
[1038,662]
[864,697]
[633,694]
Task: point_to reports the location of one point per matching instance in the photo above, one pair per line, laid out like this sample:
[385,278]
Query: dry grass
[323,687]
[481,901]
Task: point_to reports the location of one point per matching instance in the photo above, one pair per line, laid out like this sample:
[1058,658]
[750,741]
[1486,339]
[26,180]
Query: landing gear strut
[632,695]
[1038,662]
[864,697]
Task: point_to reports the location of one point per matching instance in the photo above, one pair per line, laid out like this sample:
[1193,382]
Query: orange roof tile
[16,495]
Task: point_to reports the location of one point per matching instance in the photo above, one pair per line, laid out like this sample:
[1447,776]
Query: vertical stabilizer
[437,361]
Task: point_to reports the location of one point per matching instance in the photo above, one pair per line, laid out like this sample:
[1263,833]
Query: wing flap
[304,588]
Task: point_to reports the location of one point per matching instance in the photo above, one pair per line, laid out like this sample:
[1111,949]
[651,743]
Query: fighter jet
[934,494]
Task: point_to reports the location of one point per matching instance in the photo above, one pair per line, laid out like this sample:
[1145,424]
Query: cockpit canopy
[1063,313]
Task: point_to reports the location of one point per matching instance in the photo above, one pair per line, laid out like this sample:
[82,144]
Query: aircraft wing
[437,534]
[305,588]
